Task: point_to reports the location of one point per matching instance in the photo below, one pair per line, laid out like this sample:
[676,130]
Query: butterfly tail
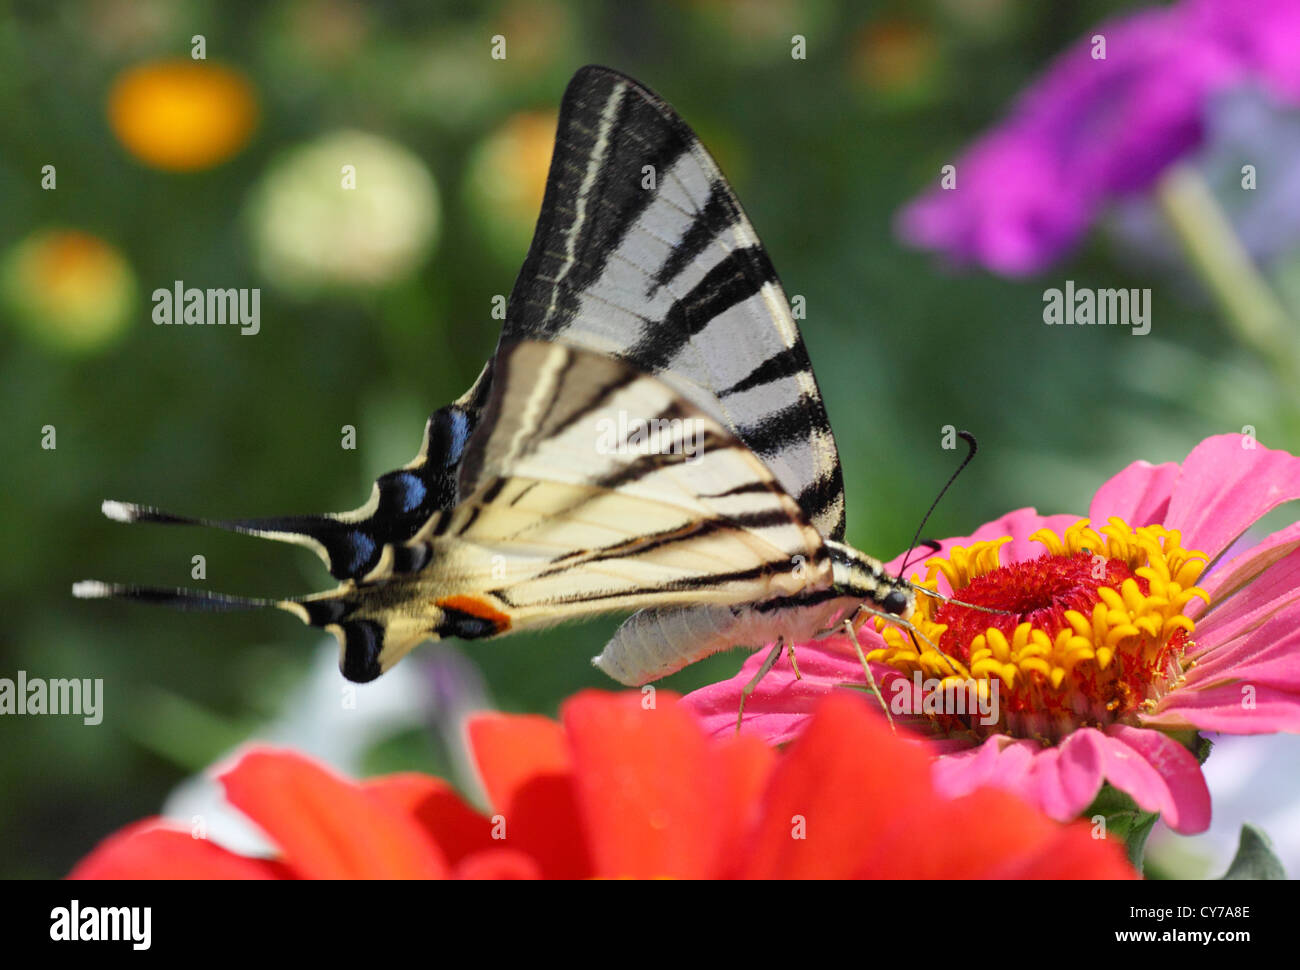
[371,639]
[401,502]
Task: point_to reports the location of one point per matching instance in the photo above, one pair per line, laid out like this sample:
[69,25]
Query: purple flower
[1092,128]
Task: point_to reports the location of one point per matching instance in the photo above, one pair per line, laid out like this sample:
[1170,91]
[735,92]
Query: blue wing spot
[458,430]
[410,491]
[362,548]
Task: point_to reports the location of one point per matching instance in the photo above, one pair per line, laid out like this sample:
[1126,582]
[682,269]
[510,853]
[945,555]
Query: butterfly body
[656,643]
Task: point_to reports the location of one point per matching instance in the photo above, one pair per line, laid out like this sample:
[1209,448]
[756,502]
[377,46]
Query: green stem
[1251,309]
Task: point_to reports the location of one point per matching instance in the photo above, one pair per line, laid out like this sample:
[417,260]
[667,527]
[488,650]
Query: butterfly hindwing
[589,487]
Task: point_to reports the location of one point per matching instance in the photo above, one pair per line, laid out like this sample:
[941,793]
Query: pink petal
[1061,780]
[1271,641]
[1224,487]
[1254,584]
[1068,782]
[1020,525]
[1139,495]
[999,761]
[1223,709]
[779,707]
[1160,774]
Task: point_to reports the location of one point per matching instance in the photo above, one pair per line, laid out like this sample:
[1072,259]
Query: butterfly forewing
[642,251]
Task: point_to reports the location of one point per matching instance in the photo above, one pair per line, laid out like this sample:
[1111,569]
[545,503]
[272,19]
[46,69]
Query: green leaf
[1124,820]
[1255,857]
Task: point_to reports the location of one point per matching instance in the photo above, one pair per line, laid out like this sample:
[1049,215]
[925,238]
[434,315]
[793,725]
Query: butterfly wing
[590,488]
[643,252]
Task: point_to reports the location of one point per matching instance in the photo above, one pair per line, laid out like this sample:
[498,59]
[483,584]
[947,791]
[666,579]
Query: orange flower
[618,791]
[68,289]
[182,115]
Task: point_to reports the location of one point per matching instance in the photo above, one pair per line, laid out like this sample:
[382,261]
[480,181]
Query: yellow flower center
[1094,630]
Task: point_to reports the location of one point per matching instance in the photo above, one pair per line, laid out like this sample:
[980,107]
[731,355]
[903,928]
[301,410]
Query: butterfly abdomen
[657,642]
[654,643]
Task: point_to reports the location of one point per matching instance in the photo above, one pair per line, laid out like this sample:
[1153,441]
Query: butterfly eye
[895,602]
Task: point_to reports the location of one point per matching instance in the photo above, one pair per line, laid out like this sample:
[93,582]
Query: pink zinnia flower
[1128,632]
[1092,129]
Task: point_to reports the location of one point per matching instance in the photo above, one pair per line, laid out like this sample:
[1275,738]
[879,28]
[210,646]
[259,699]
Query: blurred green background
[822,152]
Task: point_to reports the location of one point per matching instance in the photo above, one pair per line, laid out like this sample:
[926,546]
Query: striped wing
[589,488]
[670,278]
[643,252]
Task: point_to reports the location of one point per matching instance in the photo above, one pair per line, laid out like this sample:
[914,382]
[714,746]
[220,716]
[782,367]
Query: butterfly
[649,436]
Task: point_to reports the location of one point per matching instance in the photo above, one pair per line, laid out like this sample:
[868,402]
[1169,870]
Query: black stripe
[614,204]
[792,602]
[443,524]
[473,517]
[597,401]
[718,215]
[680,585]
[794,422]
[785,363]
[749,488]
[640,545]
[733,280]
[363,641]
[649,464]
[515,501]
[508,359]
[820,495]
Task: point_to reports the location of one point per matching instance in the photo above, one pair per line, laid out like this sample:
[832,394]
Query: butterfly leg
[871,679]
[789,649]
[954,667]
[753,681]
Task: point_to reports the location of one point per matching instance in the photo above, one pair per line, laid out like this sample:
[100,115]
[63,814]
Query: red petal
[744,768]
[498,864]
[435,804]
[658,799]
[989,834]
[863,801]
[525,765]
[1072,854]
[329,827]
[510,749]
[157,849]
[833,794]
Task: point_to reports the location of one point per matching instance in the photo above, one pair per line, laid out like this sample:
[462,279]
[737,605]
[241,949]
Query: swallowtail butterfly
[648,436]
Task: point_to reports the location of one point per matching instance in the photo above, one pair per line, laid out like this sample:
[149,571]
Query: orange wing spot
[476,607]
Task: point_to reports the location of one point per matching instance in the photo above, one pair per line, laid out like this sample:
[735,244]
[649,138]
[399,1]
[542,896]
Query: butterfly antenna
[973,447]
[935,594]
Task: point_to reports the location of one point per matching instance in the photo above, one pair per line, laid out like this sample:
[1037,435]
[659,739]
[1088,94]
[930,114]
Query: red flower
[620,791]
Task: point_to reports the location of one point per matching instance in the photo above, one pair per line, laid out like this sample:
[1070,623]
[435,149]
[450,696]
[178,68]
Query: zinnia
[1130,631]
[1101,123]
[622,790]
